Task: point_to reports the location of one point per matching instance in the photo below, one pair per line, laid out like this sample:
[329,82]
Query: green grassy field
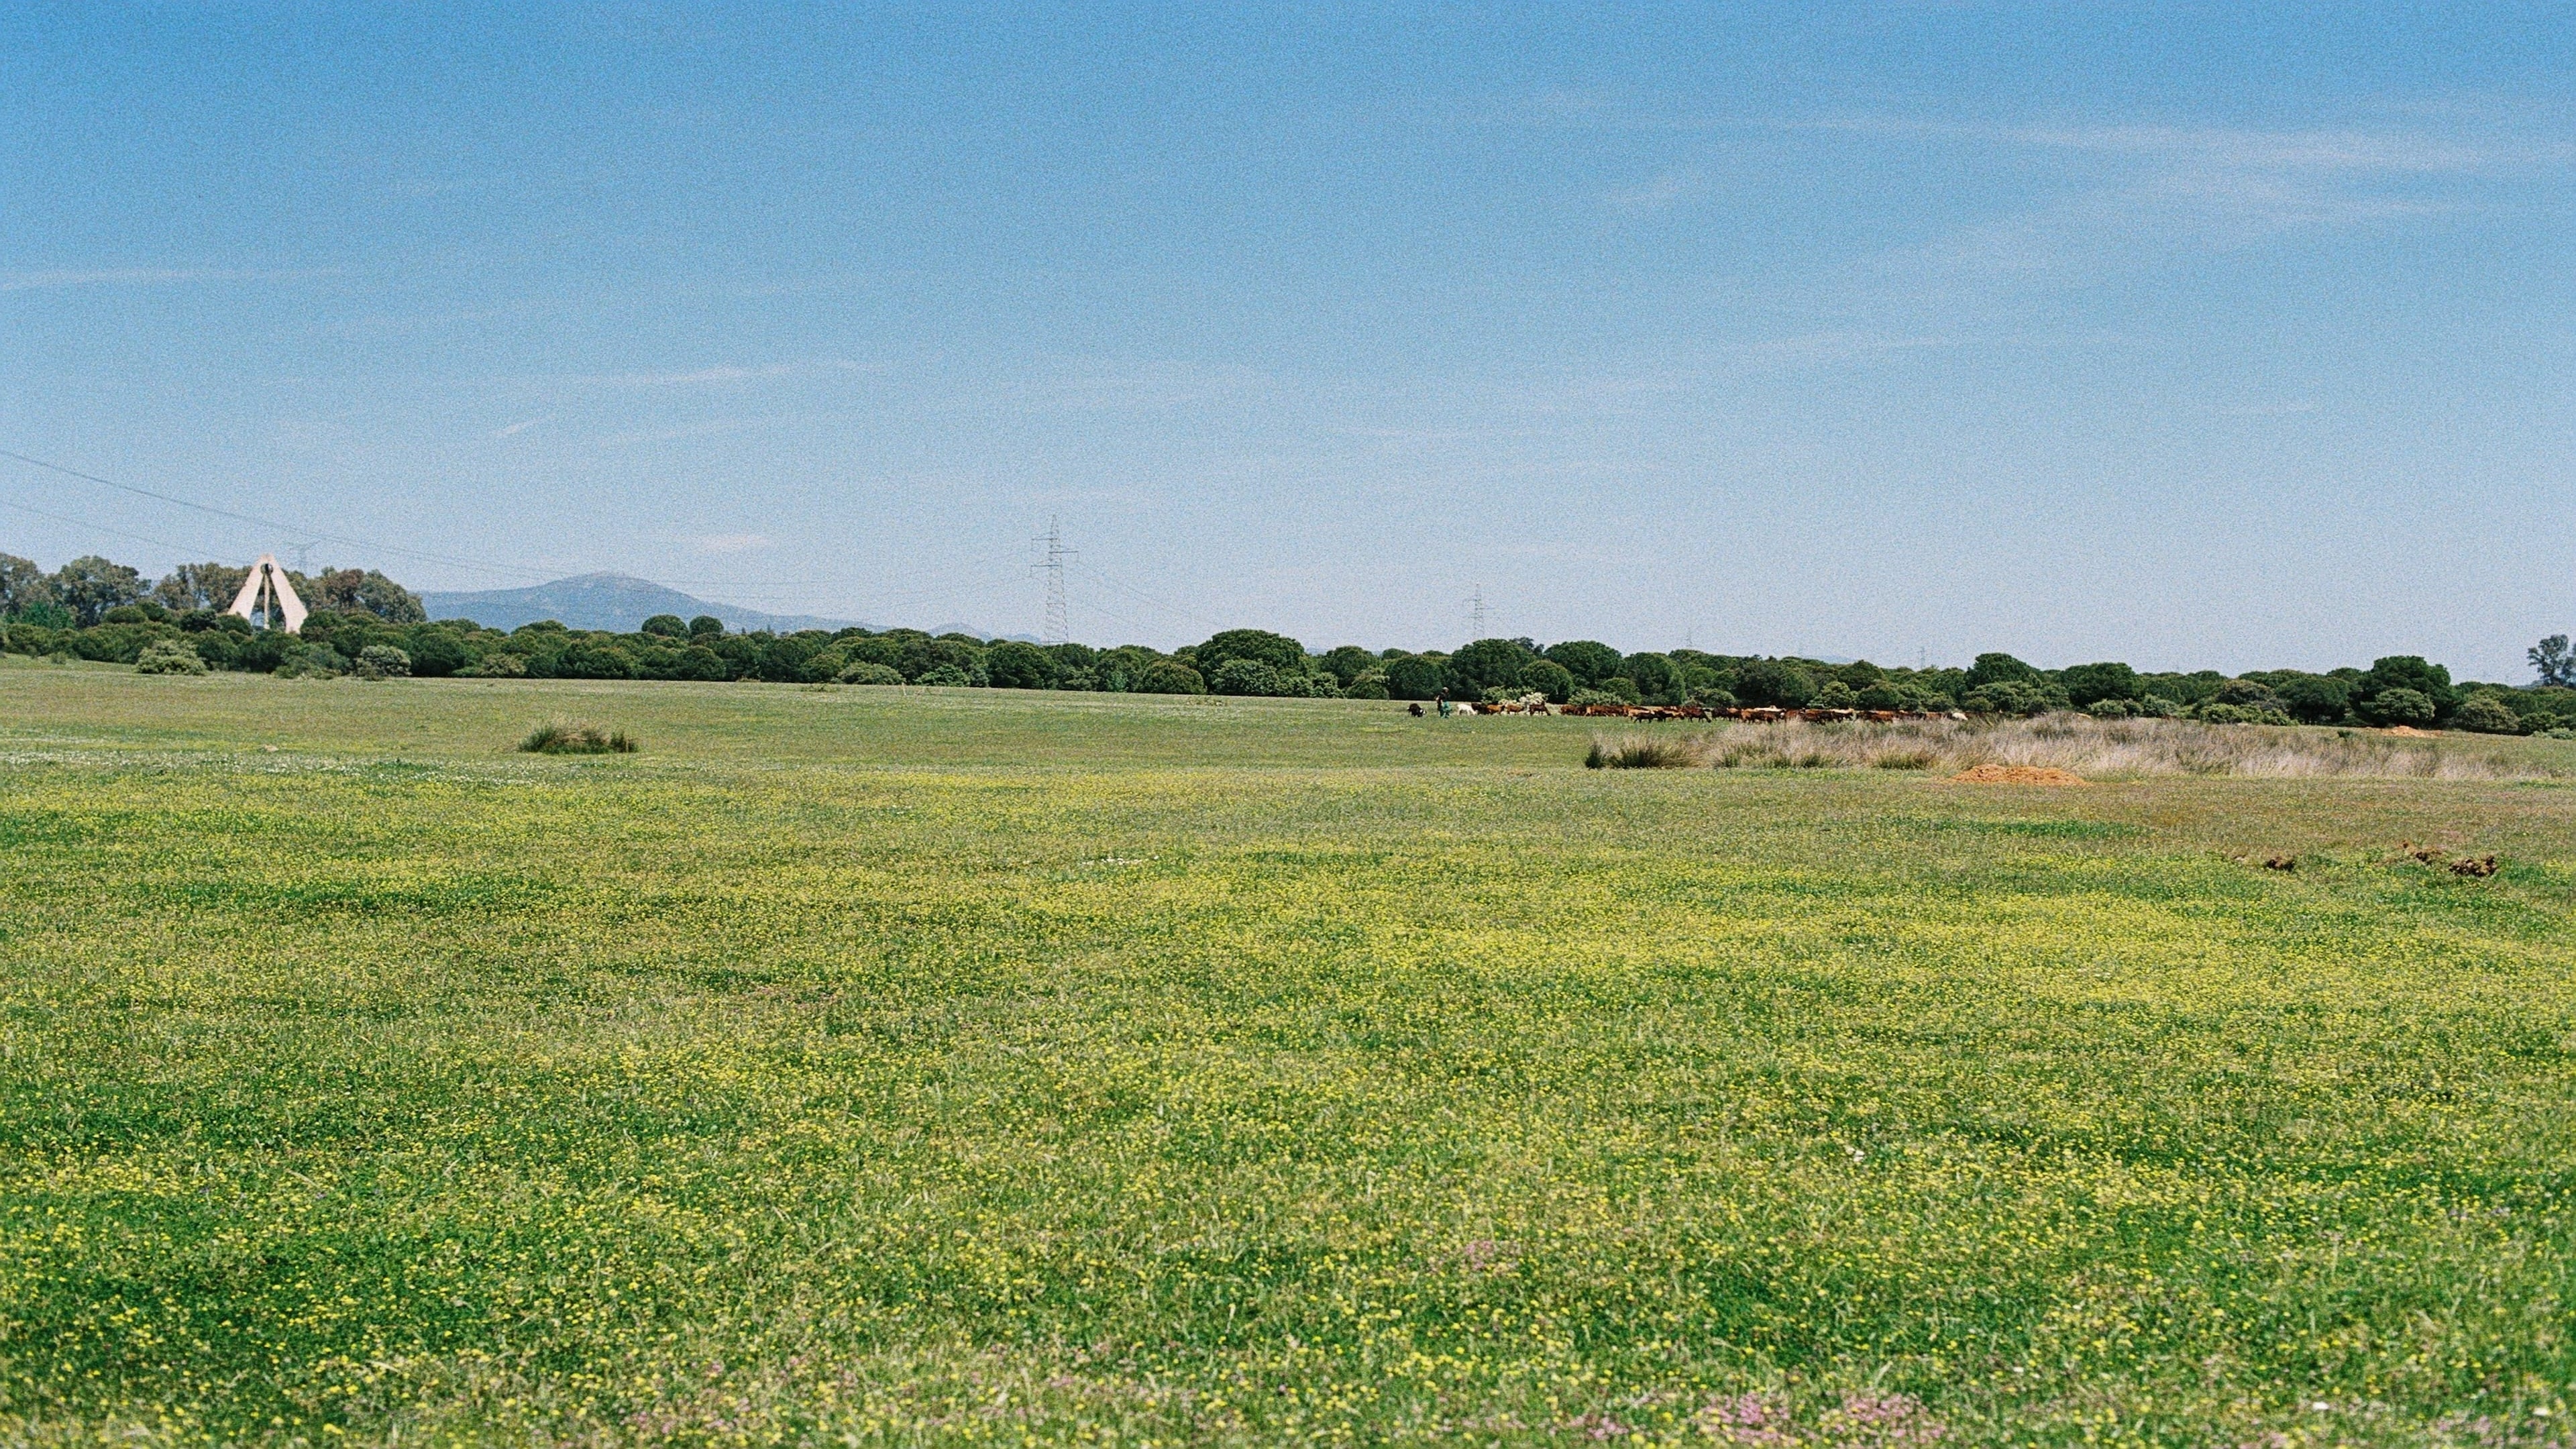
[901,1067]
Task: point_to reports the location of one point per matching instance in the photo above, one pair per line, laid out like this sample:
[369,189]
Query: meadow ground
[904,1067]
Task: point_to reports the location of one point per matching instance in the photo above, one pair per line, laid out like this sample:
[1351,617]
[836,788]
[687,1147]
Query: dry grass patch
[1988,751]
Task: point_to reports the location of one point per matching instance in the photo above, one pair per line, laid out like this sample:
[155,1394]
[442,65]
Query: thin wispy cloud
[1657,194]
[515,429]
[698,377]
[109,276]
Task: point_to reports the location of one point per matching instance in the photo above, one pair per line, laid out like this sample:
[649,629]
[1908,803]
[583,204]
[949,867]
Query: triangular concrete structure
[267,583]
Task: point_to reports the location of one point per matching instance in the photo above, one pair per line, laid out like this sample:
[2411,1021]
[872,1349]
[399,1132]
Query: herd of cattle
[1759,714]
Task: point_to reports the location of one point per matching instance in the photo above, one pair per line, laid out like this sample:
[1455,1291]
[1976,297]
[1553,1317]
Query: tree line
[364,623]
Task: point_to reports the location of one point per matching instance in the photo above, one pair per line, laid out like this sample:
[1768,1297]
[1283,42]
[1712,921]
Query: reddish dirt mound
[2018,775]
[2410,732]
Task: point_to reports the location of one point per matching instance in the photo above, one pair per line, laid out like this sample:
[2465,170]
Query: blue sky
[2181,335]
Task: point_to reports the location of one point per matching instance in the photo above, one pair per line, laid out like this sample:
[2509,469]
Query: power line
[1165,605]
[95,527]
[1476,610]
[315,534]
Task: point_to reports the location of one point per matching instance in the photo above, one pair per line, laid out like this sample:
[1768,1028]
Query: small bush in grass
[383,661]
[2487,715]
[168,656]
[866,673]
[1643,753]
[567,737]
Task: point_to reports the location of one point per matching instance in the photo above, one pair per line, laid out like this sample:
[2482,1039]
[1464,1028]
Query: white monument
[267,585]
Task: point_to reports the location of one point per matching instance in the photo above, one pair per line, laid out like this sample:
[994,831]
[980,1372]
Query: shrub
[945,676]
[1837,695]
[1370,685]
[2248,694]
[2157,706]
[1246,676]
[1169,676]
[2398,706]
[1596,696]
[1621,688]
[2113,708]
[169,656]
[2487,715]
[568,737]
[2216,712]
[865,673]
[1643,753]
[306,660]
[1546,676]
[2013,697]
[495,665]
[383,661]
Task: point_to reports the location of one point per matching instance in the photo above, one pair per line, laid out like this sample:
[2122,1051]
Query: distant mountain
[605,601]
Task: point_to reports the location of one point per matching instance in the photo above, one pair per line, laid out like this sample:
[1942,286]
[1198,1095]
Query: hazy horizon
[1897,331]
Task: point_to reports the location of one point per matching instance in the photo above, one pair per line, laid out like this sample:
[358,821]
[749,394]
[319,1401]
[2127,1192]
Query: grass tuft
[1642,752]
[571,737]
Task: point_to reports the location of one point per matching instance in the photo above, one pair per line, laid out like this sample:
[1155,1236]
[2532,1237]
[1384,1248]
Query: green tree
[706,626]
[1774,682]
[1347,662]
[1283,654]
[199,586]
[360,591]
[2085,684]
[2411,672]
[1659,680]
[1416,676]
[2551,659]
[22,584]
[667,626]
[2315,698]
[1488,663]
[1013,664]
[1589,660]
[89,586]
[2000,669]
[1546,676]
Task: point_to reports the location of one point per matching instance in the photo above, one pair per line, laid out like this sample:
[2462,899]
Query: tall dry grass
[2099,749]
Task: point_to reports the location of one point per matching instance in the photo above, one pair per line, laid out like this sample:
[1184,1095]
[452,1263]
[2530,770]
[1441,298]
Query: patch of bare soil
[2018,775]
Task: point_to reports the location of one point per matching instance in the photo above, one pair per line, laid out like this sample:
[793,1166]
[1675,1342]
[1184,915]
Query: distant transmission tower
[1059,620]
[1476,610]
